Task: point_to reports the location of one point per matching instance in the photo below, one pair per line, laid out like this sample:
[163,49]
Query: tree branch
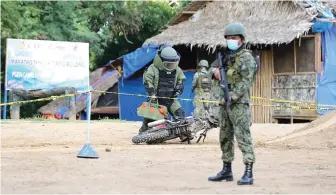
[126,37]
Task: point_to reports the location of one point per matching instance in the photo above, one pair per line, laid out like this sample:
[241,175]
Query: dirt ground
[40,157]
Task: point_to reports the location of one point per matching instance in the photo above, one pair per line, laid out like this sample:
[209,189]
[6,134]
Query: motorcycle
[185,129]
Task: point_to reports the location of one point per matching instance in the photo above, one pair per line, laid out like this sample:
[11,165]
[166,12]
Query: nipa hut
[281,31]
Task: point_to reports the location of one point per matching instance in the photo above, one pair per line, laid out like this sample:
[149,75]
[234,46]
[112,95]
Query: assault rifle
[223,80]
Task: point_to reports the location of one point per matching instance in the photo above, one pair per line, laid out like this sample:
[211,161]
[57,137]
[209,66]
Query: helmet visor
[170,65]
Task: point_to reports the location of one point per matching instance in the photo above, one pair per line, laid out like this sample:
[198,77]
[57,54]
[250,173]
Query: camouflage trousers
[199,106]
[235,121]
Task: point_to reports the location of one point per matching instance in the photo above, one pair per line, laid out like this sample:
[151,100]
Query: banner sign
[37,64]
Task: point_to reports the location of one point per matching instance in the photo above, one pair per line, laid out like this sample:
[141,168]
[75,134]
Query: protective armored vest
[234,66]
[166,83]
[204,81]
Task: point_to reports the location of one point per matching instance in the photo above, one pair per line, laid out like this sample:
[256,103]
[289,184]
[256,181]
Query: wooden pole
[318,55]
[272,80]
[295,61]
[71,103]
[295,72]
[15,108]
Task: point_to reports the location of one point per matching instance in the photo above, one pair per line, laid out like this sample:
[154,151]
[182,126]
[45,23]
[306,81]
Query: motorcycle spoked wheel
[151,137]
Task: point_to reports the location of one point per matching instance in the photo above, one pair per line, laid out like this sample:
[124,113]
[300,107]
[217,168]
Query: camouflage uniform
[201,86]
[235,118]
[164,82]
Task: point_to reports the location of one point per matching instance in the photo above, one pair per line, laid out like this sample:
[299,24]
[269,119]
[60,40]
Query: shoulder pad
[178,70]
[152,66]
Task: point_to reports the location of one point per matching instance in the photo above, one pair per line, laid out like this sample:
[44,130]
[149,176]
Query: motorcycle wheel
[150,137]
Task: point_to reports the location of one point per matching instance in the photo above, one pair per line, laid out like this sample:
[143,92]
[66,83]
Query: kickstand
[204,136]
[200,136]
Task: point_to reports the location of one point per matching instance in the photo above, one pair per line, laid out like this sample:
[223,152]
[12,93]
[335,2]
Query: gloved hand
[176,94]
[152,97]
[178,90]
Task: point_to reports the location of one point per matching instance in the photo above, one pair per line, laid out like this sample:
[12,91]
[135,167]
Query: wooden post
[15,108]
[272,80]
[119,70]
[71,103]
[318,55]
[295,61]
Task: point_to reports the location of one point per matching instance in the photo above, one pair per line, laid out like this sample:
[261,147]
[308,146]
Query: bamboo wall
[296,87]
[261,112]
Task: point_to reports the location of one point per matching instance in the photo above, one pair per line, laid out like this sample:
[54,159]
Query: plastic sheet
[326,86]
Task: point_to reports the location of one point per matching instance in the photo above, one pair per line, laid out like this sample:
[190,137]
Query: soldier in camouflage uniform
[164,78]
[235,118]
[201,86]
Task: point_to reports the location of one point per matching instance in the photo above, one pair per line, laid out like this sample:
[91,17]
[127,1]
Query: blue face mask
[232,44]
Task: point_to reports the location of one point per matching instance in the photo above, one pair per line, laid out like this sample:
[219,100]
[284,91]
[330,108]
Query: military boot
[224,174]
[247,178]
[142,129]
[144,126]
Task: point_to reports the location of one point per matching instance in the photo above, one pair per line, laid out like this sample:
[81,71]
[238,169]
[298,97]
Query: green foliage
[9,17]
[154,16]
[113,28]
[185,3]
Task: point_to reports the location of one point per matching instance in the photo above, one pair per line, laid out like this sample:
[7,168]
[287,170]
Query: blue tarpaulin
[326,86]
[320,26]
[137,59]
[128,104]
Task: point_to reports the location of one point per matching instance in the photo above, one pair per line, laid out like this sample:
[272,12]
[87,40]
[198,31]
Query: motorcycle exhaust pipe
[159,122]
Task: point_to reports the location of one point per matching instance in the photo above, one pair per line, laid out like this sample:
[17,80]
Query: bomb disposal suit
[164,78]
[201,86]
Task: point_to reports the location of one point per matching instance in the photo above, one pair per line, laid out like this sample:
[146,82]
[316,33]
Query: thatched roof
[331,4]
[266,22]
